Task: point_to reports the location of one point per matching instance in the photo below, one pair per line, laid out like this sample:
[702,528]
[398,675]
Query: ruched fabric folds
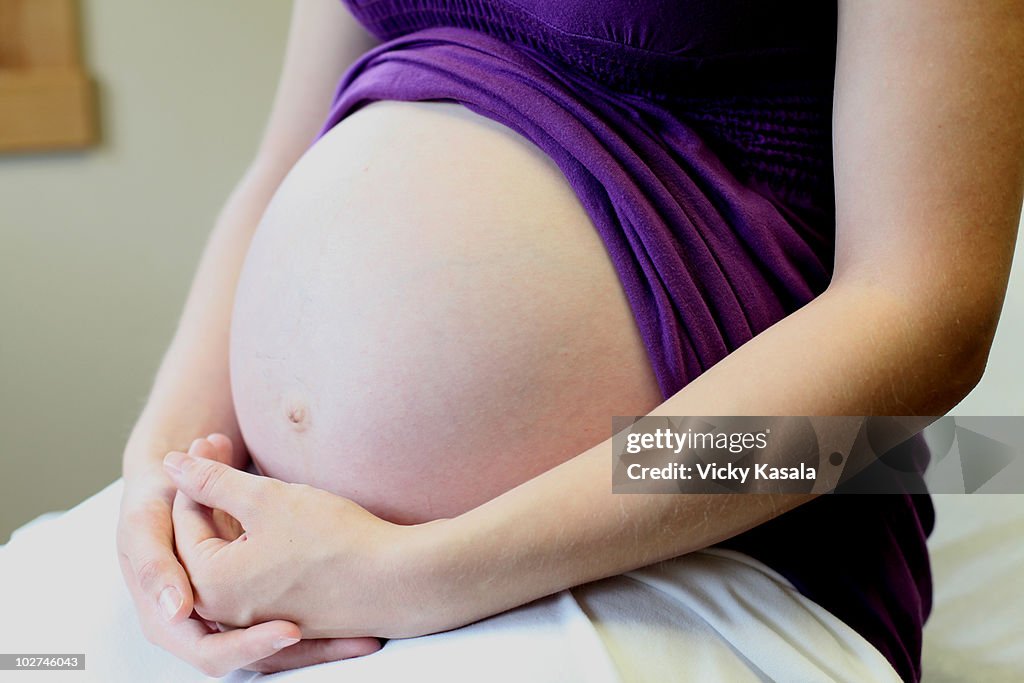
[706,261]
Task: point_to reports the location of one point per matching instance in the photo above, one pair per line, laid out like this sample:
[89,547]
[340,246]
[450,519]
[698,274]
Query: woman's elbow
[964,340]
[941,336]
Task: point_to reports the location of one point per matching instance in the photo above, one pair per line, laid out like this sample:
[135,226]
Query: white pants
[715,615]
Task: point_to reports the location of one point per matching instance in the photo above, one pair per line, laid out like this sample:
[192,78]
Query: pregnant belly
[427,318]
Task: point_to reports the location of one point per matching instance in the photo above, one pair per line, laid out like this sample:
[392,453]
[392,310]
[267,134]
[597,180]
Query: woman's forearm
[928,155]
[850,352]
[191,396]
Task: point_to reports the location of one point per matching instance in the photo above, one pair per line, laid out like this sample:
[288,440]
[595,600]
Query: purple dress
[697,135]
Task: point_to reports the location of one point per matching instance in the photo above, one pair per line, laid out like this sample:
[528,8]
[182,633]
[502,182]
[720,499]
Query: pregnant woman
[520,219]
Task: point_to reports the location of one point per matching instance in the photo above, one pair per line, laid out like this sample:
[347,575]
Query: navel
[296,413]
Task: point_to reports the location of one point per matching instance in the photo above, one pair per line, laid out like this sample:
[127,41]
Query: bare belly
[427,318]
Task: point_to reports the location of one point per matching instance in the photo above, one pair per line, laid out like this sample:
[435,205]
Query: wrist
[146,482]
[424,570]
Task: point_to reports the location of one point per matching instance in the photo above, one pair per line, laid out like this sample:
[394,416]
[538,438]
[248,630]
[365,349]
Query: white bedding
[976,631]
[714,616]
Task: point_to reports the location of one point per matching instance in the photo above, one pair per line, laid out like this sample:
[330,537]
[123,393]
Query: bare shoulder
[929,149]
[323,40]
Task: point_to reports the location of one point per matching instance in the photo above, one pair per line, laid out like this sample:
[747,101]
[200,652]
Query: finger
[224,448]
[204,448]
[146,549]
[316,651]
[217,485]
[197,535]
[214,447]
[223,652]
[217,653]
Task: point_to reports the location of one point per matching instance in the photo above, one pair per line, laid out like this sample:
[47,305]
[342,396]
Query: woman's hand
[215,523]
[296,553]
[163,597]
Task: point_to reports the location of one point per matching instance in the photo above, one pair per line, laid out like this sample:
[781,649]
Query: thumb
[147,558]
[219,486]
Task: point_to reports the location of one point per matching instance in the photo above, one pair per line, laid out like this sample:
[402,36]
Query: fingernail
[282,643]
[170,601]
[176,461]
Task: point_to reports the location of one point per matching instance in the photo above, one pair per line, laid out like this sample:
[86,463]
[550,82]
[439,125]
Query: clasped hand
[258,550]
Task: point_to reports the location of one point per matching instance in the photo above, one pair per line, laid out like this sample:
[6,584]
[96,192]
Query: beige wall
[97,248]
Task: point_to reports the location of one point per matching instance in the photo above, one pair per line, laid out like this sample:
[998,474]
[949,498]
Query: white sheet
[710,616]
[976,631]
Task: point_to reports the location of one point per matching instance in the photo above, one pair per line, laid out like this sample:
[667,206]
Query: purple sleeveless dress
[697,135]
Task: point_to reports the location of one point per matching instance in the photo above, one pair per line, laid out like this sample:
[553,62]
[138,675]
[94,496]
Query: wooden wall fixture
[46,99]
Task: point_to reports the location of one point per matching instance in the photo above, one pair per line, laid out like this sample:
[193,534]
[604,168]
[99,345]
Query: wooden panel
[46,99]
[49,33]
[46,109]
[10,36]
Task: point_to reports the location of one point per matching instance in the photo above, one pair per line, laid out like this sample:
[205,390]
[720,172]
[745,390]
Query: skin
[375,343]
[929,154]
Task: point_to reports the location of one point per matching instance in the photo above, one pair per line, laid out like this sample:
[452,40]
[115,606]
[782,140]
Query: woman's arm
[191,395]
[929,154]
